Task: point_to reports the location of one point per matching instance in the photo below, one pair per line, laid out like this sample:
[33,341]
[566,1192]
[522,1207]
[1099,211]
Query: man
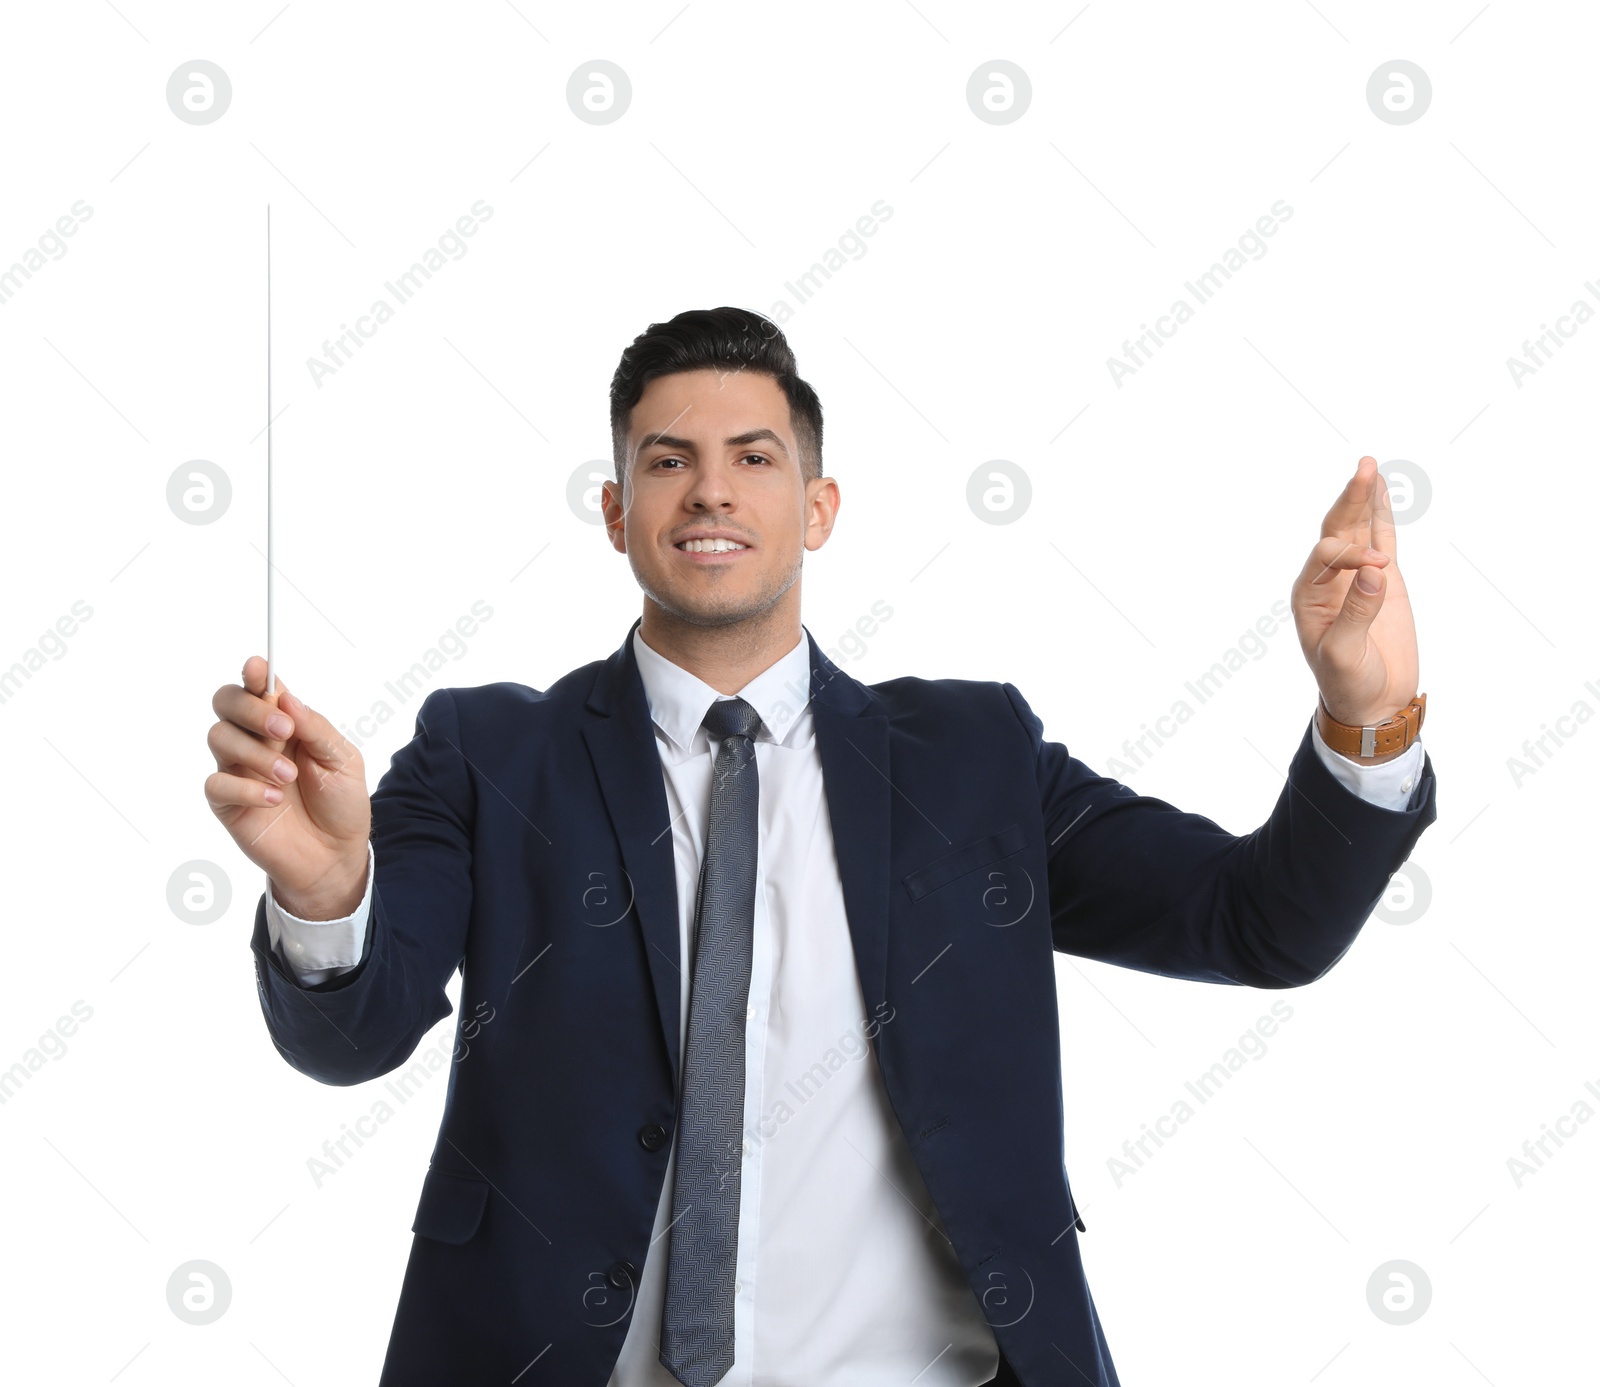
[758,1066]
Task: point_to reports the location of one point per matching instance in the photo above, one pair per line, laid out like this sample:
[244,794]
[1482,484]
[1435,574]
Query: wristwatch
[1381,742]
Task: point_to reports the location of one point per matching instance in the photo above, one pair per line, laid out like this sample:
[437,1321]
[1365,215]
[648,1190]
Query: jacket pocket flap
[942,871]
[451,1206]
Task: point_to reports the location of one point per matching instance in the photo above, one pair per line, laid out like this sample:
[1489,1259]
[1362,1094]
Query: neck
[727,657]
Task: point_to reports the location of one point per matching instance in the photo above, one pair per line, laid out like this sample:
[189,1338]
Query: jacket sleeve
[367,1021]
[1137,882]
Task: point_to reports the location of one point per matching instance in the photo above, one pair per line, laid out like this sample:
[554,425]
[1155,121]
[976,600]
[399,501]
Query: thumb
[1361,606]
[324,742]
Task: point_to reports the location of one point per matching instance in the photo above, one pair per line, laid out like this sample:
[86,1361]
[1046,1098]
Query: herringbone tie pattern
[697,1316]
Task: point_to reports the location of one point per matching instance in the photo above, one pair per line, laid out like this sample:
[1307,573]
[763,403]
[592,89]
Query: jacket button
[653,1137]
[622,1275]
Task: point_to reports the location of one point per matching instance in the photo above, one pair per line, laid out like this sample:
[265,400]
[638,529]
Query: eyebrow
[739,440]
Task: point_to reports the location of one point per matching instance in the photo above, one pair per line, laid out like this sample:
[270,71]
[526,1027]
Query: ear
[822,509]
[613,507]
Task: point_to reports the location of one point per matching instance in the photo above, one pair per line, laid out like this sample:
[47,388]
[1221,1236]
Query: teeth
[709,546]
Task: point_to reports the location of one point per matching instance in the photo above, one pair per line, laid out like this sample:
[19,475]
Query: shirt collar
[678,700]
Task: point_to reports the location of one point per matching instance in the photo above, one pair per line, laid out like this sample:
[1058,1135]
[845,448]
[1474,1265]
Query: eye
[759,456]
[659,461]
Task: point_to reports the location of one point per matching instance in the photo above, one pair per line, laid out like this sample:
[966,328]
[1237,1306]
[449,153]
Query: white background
[1169,513]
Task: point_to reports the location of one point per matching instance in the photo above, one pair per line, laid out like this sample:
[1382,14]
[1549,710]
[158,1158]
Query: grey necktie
[697,1316]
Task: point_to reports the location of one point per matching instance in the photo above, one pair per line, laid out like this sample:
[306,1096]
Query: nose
[712,489]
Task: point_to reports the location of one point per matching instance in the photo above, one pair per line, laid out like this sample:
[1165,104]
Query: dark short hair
[718,339]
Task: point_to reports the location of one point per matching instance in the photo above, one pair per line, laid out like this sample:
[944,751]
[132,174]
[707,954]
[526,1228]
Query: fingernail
[279,725]
[273,795]
[284,769]
[1367,579]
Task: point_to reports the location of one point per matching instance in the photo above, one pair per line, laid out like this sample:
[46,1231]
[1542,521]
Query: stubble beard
[720,609]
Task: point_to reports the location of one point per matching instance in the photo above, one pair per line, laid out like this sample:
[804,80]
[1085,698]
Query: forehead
[694,403]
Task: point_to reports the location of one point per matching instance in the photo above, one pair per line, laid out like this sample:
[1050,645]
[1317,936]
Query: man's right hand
[293,793]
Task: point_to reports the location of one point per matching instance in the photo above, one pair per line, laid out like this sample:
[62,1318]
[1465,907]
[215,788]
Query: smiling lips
[710,550]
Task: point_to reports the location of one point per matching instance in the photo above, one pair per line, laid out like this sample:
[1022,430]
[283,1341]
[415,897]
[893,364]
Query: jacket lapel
[622,745]
[853,744]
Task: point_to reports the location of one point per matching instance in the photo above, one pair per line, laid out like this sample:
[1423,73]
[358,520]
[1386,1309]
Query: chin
[710,609]
[716,604]
[729,611]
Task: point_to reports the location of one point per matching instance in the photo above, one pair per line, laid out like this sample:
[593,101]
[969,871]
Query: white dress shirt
[844,1273]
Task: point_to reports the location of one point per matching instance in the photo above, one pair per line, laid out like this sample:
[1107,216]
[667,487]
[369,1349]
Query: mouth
[711,551]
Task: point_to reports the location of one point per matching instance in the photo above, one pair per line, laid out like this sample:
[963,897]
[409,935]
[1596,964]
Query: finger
[234,748]
[1383,536]
[318,736]
[236,704]
[1350,517]
[1332,556]
[255,678]
[225,791]
[254,674]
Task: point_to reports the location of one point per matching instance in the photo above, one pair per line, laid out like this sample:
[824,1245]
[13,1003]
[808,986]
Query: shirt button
[738,1287]
[1406,783]
[747,1146]
[750,1012]
[297,946]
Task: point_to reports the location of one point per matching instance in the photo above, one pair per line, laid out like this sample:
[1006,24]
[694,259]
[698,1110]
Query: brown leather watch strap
[1380,742]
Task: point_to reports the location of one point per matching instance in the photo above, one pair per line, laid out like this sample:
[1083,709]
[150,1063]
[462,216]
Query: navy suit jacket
[523,837]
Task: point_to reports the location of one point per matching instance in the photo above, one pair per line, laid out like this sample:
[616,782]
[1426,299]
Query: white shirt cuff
[316,950]
[1388,784]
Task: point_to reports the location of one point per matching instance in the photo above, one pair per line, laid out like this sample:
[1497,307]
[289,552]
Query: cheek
[640,528]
